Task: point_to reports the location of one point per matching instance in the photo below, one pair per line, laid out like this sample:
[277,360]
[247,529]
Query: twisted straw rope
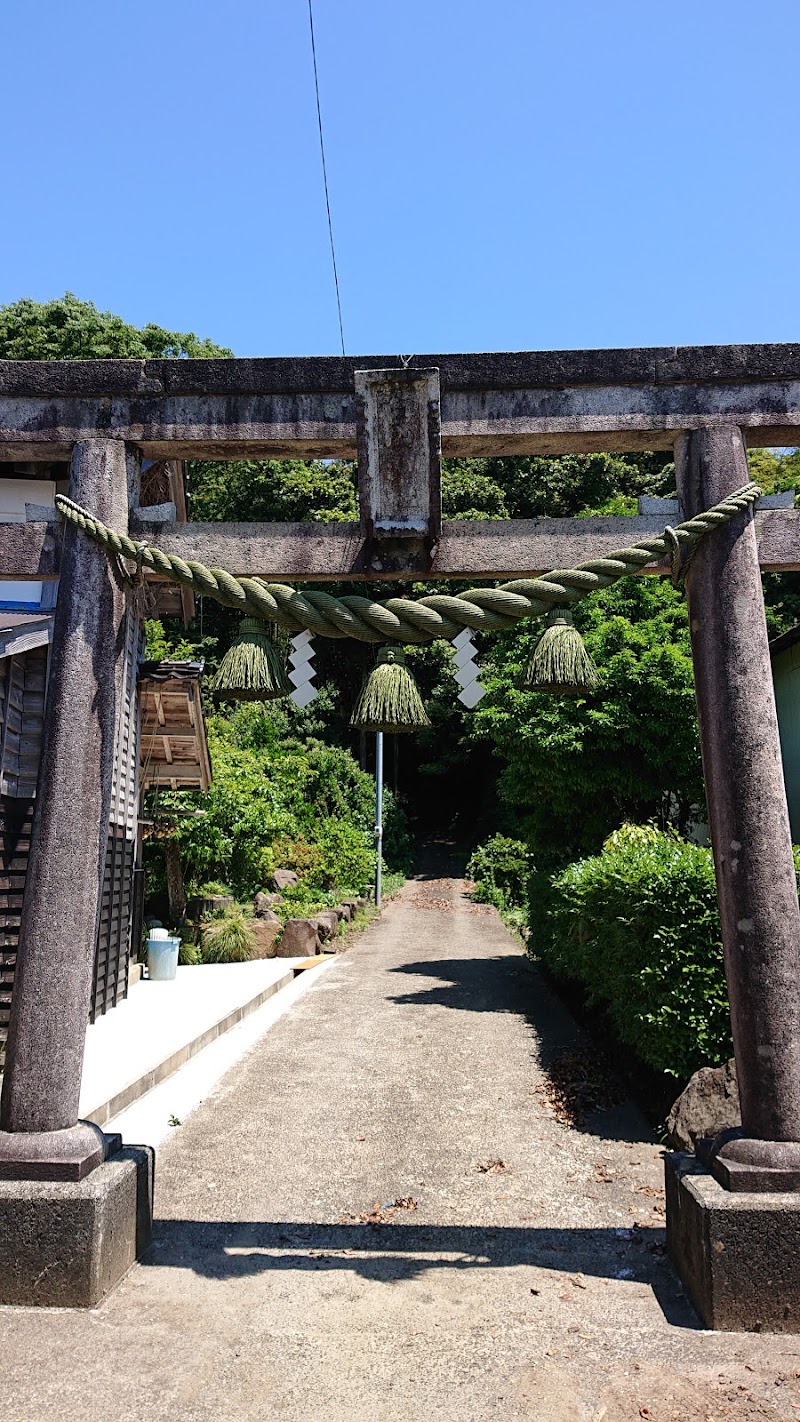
[401,619]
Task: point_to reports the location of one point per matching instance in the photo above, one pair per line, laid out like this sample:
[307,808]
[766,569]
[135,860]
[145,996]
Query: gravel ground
[413,1200]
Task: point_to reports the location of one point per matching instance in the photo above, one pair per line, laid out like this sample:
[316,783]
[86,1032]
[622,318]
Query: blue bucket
[162,958]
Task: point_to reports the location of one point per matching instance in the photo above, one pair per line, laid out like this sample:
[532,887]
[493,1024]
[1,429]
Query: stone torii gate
[74,1207]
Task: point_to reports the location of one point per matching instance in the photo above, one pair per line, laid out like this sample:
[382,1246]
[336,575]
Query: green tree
[575,768]
[273,490]
[276,801]
[71,329]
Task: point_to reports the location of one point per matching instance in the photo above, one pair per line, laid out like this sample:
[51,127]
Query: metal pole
[378,815]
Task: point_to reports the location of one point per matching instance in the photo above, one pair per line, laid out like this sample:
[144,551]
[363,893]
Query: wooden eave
[173,744]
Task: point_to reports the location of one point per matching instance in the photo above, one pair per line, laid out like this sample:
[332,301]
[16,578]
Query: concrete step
[161,1026]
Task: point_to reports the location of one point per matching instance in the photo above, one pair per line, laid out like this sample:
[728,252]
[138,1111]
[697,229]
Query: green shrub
[638,926]
[227,936]
[275,802]
[500,868]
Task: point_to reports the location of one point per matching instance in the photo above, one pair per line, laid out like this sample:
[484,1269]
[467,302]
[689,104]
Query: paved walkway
[380,1217]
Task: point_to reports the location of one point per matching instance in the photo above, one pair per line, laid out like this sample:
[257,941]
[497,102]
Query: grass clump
[226,936]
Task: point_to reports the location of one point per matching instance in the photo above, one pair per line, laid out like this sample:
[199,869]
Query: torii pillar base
[737,1252]
[68,1243]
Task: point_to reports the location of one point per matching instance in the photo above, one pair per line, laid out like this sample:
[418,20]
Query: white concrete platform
[156,1115]
[161,1026]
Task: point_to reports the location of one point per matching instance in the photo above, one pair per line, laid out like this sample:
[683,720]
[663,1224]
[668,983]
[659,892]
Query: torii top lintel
[528,402]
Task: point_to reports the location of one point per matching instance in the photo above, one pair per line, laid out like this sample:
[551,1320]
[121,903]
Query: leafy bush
[500,868]
[275,802]
[638,926]
[576,767]
[227,936]
[214,889]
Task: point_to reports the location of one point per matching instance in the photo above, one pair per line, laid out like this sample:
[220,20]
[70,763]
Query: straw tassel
[560,663]
[389,699]
[253,667]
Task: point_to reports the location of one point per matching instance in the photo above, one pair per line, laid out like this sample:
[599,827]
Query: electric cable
[325,173]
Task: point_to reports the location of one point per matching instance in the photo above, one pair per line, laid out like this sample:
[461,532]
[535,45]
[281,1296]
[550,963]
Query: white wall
[14,495]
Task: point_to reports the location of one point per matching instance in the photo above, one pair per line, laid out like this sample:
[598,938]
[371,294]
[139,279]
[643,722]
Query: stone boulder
[201,904]
[283,879]
[300,939]
[266,933]
[263,904]
[327,924]
[707,1105]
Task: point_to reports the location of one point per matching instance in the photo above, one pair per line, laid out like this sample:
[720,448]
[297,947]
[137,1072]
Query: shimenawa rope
[401,619]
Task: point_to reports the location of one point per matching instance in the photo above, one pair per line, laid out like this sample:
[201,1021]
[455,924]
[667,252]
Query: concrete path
[380,1216]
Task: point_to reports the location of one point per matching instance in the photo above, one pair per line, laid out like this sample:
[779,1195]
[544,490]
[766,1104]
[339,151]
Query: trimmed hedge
[638,926]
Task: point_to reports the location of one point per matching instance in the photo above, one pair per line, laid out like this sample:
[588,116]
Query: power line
[325,174]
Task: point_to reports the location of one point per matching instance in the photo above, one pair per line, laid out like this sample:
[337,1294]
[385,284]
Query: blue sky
[506,175]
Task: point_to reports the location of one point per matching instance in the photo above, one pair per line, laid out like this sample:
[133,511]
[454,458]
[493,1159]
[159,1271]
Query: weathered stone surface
[200,904]
[399,452]
[283,879]
[263,903]
[300,939]
[69,1153]
[68,1244]
[746,798]
[52,989]
[266,932]
[543,402]
[335,374]
[327,924]
[708,1104]
[737,1254]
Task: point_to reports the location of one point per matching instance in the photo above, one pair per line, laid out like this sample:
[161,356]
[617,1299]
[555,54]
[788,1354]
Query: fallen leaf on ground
[381,1213]
[579,1081]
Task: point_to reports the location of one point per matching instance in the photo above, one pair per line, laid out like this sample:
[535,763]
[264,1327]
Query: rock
[266,933]
[201,904]
[328,924]
[707,1105]
[283,879]
[300,939]
[263,903]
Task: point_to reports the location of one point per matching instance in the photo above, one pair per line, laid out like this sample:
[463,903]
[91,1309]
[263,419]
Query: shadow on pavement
[395,1253]
[594,1098]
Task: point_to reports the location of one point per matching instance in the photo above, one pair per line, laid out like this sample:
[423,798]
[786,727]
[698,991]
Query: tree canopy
[71,329]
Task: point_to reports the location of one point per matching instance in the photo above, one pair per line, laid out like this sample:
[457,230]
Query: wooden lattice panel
[16,817]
